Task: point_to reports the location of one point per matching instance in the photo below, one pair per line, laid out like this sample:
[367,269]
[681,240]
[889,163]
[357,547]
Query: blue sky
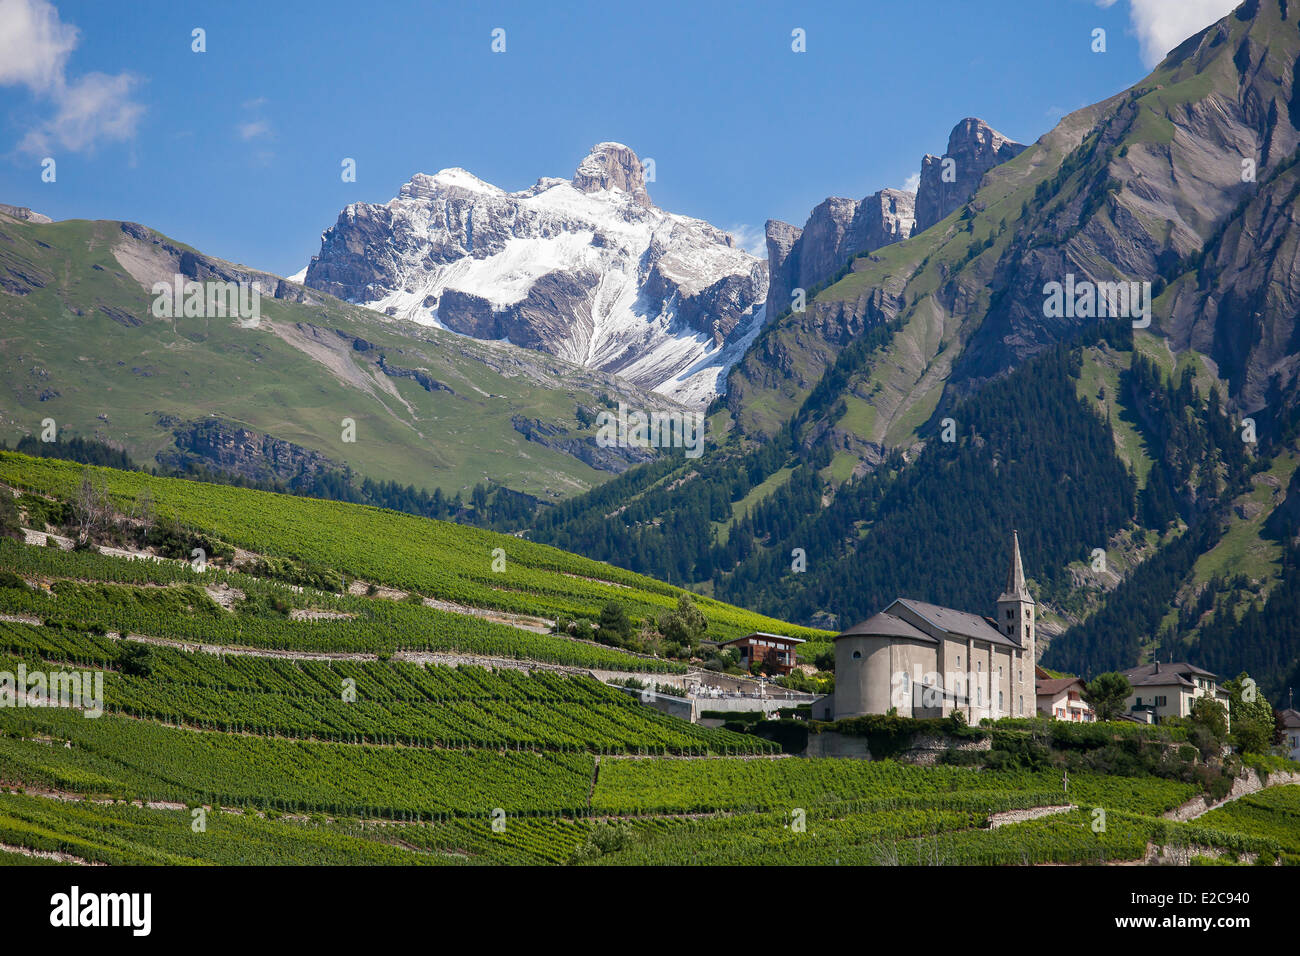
[237,151]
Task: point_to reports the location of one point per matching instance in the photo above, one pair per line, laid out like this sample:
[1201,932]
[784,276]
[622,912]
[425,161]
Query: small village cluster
[923,660]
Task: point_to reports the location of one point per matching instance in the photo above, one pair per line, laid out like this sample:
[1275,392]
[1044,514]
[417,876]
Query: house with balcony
[1169,689]
[775,650]
[1061,698]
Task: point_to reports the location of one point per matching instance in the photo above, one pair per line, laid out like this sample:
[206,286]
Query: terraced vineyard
[184,611]
[434,558]
[1269,820]
[251,720]
[636,786]
[389,702]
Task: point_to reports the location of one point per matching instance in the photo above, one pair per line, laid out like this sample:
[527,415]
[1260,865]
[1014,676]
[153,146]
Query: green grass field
[83,343]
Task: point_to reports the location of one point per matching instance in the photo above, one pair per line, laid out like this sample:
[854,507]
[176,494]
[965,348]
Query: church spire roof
[1016,589]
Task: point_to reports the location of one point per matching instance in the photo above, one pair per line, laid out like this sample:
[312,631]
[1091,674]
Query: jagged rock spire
[612,166]
[1016,589]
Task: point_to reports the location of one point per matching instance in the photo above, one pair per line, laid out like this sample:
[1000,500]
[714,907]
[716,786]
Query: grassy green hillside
[436,559]
[79,345]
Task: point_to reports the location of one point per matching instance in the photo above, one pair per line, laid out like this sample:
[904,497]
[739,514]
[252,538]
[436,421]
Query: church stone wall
[865,684]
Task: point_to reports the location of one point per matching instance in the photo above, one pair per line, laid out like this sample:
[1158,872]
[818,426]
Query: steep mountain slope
[1127,190]
[588,269]
[836,231]
[82,346]
[834,409]
[795,350]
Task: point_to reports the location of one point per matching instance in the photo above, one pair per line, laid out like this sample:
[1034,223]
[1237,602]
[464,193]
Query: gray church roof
[885,624]
[936,621]
[960,623]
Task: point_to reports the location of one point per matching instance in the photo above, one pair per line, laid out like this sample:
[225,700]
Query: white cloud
[94,107]
[34,44]
[750,238]
[1161,25]
[912,183]
[34,49]
[253,129]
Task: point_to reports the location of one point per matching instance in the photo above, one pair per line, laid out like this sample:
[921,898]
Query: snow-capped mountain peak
[588,269]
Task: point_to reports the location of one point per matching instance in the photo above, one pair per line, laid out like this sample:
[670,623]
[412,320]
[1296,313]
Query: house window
[1000,699]
[1008,614]
[959,660]
[857,655]
[1020,706]
[1160,701]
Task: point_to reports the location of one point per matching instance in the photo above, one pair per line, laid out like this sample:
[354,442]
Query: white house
[1291,732]
[1061,698]
[1163,690]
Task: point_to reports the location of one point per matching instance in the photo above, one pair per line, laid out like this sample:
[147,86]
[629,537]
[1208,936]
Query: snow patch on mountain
[588,269]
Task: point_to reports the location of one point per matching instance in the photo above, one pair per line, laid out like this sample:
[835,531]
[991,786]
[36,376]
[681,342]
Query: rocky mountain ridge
[587,269]
[839,229]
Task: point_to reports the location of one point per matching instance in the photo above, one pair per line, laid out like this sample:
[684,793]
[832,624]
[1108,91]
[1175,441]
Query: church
[922,660]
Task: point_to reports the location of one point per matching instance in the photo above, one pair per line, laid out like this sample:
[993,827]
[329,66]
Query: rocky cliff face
[1244,310]
[23,213]
[231,448]
[1187,181]
[588,269]
[837,230]
[974,148]
[150,258]
[840,229]
[1184,179]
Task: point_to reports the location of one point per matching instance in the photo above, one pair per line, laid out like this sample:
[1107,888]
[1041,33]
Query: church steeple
[1015,621]
[1016,590]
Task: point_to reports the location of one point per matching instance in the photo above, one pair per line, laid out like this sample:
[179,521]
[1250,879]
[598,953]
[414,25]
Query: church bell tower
[1016,621]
